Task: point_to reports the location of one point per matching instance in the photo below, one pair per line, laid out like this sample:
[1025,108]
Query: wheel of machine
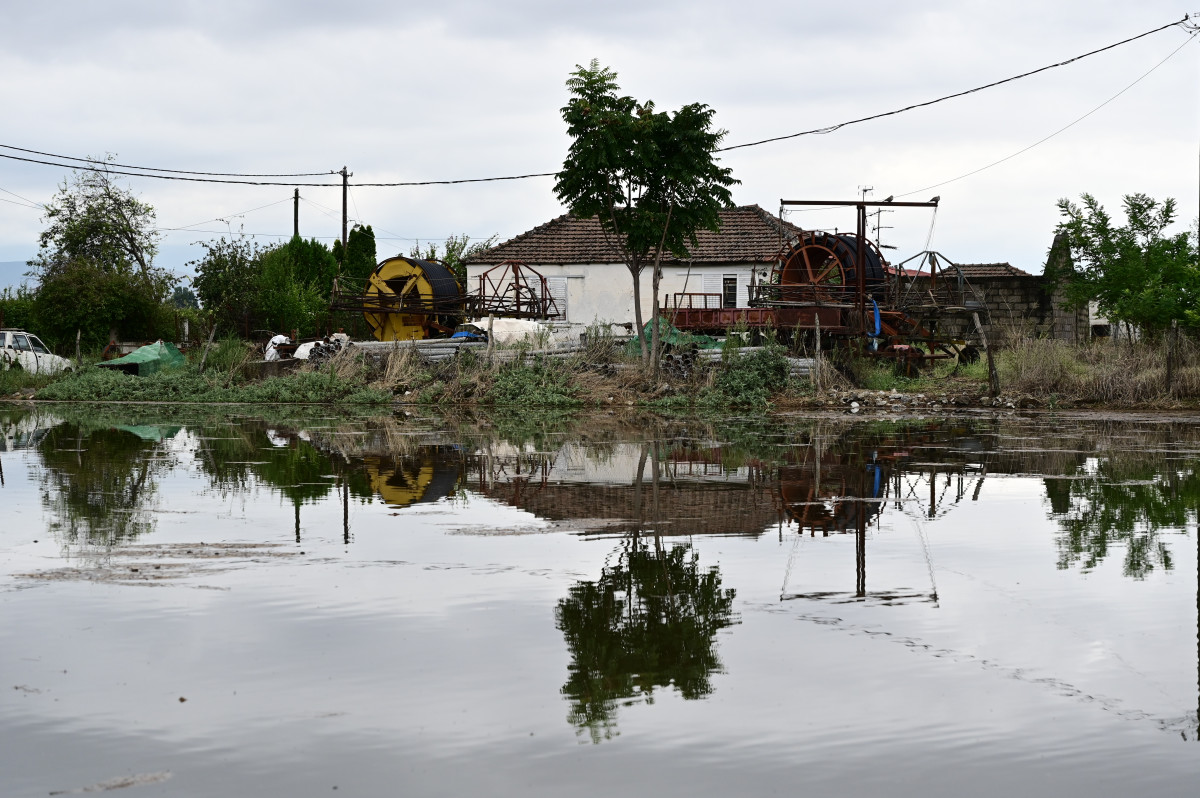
[821,267]
[409,298]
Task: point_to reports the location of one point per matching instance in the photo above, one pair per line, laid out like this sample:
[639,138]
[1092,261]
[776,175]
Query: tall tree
[95,264]
[649,176]
[359,259]
[1136,272]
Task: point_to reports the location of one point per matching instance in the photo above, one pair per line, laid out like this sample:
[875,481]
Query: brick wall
[1021,305]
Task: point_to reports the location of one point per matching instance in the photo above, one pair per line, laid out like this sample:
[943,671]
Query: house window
[557,286]
[729,286]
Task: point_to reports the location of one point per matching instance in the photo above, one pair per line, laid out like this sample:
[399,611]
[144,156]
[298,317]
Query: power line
[1062,129]
[840,125]
[27,199]
[229,215]
[225,177]
[22,204]
[156,169]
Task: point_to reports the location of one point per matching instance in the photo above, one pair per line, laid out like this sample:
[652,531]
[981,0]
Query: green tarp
[148,359]
[671,336]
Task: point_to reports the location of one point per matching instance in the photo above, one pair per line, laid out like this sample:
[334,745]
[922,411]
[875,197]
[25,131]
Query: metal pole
[860,271]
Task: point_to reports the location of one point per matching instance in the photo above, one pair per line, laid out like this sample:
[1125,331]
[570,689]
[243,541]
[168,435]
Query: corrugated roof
[748,234]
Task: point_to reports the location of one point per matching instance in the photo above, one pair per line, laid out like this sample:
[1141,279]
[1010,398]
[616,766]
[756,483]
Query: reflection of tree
[649,621]
[98,485]
[1123,506]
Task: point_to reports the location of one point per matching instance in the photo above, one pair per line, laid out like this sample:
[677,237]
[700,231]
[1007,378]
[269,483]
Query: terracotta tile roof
[992,270]
[748,234]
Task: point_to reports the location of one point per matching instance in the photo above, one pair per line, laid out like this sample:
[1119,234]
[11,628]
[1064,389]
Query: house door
[729,286]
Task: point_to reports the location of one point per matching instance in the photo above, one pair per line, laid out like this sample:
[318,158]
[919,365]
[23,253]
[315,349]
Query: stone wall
[1021,305]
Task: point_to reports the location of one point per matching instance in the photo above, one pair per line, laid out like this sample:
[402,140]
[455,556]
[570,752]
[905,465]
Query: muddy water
[210,603]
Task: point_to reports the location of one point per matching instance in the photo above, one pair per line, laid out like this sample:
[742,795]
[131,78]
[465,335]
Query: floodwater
[203,602]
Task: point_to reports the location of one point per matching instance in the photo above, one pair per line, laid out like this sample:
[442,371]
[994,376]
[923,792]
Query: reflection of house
[590,283]
[617,492]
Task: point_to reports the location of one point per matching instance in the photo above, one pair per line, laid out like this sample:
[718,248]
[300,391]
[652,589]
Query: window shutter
[557,286]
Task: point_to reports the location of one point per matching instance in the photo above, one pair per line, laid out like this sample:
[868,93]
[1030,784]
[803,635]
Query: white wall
[604,292]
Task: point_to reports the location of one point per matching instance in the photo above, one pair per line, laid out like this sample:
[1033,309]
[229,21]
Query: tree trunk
[655,280]
[636,273]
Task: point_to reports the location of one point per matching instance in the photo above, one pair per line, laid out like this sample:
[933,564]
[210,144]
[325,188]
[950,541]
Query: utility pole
[296,215]
[345,193]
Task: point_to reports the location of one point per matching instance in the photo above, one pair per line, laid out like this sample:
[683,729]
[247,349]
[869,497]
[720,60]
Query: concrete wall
[1023,305]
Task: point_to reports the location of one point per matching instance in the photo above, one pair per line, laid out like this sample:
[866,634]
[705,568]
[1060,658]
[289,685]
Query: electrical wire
[227,216]
[1062,129]
[21,204]
[225,177]
[27,199]
[944,98]
[156,169]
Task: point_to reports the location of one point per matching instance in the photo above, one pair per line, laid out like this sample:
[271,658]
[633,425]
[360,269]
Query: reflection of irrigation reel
[404,481]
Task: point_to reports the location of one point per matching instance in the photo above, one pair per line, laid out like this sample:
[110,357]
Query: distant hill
[12,273]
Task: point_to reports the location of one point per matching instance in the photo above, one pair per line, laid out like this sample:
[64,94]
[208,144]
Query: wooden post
[345,191]
[78,358]
[993,377]
[296,214]
[817,365]
[1170,355]
[491,342]
[207,346]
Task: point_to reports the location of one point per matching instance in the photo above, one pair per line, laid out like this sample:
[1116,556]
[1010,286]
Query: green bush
[749,380]
[537,383]
[185,385]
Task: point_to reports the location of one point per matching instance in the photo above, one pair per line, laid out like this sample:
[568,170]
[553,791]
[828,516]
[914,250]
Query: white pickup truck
[19,349]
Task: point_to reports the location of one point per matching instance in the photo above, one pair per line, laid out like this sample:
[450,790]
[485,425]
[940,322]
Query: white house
[591,284]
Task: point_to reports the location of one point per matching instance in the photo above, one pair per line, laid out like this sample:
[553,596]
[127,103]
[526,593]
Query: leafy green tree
[281,288]
[295,282]
[650,177]
[359,259]
[1136,272]
[453,253]
[184,297]
[227,281]
[95,264]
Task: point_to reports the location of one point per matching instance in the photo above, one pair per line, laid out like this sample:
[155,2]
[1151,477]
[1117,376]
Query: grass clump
[187,385]
[536,383]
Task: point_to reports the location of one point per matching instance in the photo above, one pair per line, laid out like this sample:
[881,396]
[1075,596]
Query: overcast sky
[462,89]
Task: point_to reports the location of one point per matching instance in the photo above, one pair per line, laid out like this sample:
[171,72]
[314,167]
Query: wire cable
[927,103]
[228,216]
[1063,129]
[226,177]
[156,169]
[18,196]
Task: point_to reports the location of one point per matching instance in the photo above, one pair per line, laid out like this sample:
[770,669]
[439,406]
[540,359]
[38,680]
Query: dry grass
[1099,372]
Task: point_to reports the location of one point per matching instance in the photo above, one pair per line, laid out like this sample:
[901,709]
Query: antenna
[865,190]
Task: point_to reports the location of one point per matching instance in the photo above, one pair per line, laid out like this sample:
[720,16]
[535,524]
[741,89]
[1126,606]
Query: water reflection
[650,621]
[99,486]
[650,490]
[1127,503]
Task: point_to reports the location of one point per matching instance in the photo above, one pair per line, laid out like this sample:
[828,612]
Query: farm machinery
[407,299]
[837,289]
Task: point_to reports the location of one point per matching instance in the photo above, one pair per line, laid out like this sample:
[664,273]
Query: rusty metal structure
[412,299]
[841,285]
